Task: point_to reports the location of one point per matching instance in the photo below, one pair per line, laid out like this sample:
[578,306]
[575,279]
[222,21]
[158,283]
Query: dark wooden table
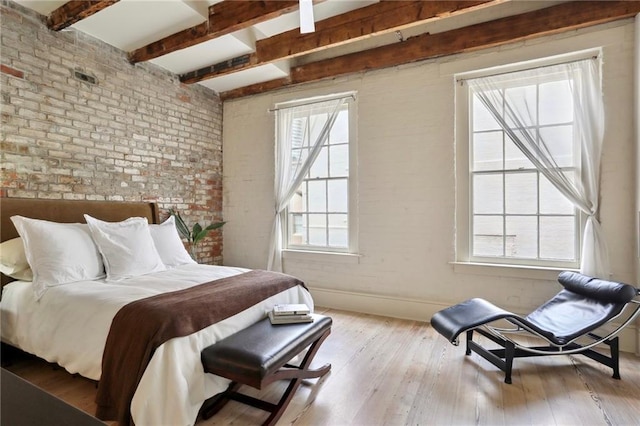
[24,404]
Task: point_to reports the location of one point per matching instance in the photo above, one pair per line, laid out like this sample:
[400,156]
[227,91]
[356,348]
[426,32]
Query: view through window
[516,213]
[318,213]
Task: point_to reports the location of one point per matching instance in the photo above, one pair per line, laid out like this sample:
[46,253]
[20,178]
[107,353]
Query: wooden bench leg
[289,372]
[303,373]
[214,404]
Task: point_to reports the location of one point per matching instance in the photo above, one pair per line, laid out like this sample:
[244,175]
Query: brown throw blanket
[143,325]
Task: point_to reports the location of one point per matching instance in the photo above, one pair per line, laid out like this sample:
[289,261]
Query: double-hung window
[318,213]
[510,129]
[316,167]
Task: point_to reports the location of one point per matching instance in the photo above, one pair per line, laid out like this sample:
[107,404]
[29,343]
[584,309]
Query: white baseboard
[412,309]
[388,306]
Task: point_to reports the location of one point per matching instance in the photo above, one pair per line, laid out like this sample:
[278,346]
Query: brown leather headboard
[69,211]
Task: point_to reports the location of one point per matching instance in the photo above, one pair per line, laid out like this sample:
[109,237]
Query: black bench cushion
[260,350]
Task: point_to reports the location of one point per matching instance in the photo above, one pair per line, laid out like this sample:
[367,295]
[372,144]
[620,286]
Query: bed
[71,324]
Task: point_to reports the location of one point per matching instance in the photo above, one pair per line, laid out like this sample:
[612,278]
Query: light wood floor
[396,372]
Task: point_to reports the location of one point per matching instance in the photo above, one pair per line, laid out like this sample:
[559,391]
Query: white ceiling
[131,24]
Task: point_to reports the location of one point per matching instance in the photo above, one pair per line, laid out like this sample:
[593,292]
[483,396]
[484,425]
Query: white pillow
[127,247]
[59,253]
[168,243]
[13,260]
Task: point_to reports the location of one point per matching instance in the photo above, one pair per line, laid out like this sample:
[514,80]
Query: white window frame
[464,176]
[352,214]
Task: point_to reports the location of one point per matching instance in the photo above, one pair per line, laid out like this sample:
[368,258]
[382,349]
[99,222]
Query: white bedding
[70,323]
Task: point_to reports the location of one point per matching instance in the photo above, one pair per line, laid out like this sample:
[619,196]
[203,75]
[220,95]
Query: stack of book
[290,313]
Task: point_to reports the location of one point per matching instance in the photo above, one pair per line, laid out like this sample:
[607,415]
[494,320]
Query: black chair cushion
[584,304]
[594,288]
[569,315]
[452,321]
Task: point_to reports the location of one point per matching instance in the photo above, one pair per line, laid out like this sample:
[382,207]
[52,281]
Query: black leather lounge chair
[571,316]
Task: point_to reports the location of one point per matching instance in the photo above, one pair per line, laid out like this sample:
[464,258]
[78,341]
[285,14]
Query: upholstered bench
[258,356]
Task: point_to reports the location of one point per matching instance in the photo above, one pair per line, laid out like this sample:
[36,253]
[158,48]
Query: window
[320,215]
[515,215]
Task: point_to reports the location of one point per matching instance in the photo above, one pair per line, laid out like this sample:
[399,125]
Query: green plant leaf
[200,235]
[214,226]
[182,228]
[204,232]
[197,233]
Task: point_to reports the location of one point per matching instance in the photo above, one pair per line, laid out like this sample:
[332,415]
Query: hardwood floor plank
[385,401]
[352,384]
[388,371]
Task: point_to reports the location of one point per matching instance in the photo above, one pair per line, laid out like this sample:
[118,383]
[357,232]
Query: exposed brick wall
[137,134]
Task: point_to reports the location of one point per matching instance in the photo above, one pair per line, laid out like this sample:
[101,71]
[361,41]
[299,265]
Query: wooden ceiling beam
[376,19]
[224,18]
[542,22]
[74,11]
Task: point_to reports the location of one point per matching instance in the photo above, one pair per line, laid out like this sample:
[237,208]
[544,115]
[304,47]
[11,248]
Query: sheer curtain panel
[518,119]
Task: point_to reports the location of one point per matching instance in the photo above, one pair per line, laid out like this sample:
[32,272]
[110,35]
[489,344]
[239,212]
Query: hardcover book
[289,319]
[290,309]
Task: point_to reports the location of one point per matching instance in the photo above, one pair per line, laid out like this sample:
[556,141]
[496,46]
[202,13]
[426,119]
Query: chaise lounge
[571,316]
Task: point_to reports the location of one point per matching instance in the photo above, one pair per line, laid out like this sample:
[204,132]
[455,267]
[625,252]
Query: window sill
[512,271]
[320,256]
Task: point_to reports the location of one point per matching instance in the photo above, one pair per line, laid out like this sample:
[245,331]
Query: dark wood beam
[224,18]
[74,11]
[548,21]
[238,63]
[378,18]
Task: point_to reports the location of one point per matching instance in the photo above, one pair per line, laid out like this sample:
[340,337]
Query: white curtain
[294,125]
[518,121]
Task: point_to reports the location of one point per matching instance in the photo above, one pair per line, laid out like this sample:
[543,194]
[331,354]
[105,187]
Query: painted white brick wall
[406,191]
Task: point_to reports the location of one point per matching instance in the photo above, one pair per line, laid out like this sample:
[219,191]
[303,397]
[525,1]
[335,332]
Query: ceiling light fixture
[307,23]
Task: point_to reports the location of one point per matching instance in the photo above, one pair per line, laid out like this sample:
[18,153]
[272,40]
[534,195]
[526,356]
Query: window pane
[338,196]
[320,167]
[487,193]
[487,151]
[298,157]
[296,205]
[557,236]
[317,196]
[521,193]
[339,160]
[298,132]
[487,236]
[338,230]
[556,103]
[317,122]
[340,130]
[318,229]
[298,229]
[559,141]
[523,110]
[552,201]
[482,118]
[522,237]
[513,157]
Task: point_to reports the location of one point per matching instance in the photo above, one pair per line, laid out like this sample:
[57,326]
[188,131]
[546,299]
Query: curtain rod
[462,80]
[302,103]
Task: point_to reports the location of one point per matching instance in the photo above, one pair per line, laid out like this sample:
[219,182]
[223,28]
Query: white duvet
[70,323]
